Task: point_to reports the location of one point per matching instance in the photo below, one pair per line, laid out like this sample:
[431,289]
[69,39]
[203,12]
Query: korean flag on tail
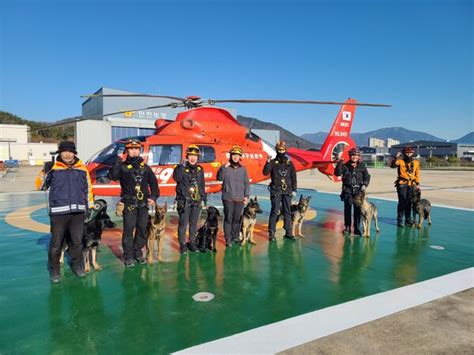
[346,115]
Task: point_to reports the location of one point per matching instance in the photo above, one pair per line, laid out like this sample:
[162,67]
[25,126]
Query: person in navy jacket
[70,197]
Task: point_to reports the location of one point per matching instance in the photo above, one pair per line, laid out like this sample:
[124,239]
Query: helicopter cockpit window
[208,154]
[107,155]
[164,155]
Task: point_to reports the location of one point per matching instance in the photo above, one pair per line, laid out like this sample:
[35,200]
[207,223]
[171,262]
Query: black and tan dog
[94,225]
[368,211]
[155,233]
[207,234]
[421,207]
[249,218]
[298,212]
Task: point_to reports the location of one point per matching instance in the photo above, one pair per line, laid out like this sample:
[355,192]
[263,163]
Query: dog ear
[301,197]
[218,213]
[165,206]
[255,199]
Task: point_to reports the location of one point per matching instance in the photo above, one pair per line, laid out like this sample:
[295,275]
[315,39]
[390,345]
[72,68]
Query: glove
[203,204]
[363,188]
[293,194]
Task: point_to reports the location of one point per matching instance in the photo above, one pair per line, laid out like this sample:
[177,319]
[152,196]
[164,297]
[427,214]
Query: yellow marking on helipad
[21,218]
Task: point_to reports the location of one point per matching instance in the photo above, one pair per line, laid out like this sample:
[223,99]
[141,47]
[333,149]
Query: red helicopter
[216,131]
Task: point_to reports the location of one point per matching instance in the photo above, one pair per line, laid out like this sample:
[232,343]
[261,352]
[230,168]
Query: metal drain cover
[203,297]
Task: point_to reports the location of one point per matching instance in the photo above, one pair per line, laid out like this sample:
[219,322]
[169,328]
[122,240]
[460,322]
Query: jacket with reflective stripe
[70,188]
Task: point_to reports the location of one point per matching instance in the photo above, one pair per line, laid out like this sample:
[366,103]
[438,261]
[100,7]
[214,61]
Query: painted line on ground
[299,330]
[395,200]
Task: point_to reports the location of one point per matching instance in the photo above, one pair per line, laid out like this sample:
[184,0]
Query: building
[465,151]
[14,145]
[391,141]
[428,149]
[376,142]
[125,117]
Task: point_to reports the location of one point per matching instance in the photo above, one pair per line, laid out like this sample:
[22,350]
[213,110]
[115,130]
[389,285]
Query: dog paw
[97,268]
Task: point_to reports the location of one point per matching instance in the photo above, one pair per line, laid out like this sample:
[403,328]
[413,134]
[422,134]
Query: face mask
[281,156]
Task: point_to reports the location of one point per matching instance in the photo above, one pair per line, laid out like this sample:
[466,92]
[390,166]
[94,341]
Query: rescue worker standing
[69,198]
[235,194]
[355,178]
[282,188]
[190,196]
[408,179]
[139,188]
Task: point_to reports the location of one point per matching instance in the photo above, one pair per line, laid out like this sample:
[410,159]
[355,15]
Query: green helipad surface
[150,309]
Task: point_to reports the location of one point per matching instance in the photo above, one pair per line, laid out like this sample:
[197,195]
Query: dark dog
[298,212]
[249,218]
[155,233]
[94,225]
[368,211]
[421,207]
[207,234]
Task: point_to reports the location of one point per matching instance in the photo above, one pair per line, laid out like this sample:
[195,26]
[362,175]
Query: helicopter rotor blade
[75,119]
[133,95]
[311,102]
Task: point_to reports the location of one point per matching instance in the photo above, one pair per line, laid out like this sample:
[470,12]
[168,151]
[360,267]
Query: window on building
[164,154]
[208,154]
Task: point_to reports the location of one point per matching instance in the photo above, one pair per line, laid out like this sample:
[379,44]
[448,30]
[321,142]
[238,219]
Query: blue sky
[415,55]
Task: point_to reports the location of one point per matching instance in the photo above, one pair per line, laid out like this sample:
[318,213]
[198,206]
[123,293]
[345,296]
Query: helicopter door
[162,160]
[207,160]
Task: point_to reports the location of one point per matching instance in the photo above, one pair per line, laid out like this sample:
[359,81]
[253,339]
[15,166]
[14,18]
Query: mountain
[292,140]
[467,139]
[50,135]
[362,139]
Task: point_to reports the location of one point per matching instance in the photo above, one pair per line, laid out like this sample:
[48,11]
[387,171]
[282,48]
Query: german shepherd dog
[249,218]
[298,212]
[94,225]
[155,233]
[368,211]
[207,234]
[422,207]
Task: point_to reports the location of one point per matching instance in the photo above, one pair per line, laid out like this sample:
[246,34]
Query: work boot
[271,237]
[228,245]
[54,277]
[192,247]
[289,236]
[130,263]
[182,248]
[79,272]
[347,230]
[409,223]
[357,231]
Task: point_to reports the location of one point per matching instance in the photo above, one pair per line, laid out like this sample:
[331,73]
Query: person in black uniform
[355,178]
[282,188]
[139,189]
[190,196]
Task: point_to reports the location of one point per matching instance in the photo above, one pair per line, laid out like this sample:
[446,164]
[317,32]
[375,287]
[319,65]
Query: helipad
[151,309]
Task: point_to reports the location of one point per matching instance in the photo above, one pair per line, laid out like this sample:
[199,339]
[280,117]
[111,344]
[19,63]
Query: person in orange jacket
[408,179]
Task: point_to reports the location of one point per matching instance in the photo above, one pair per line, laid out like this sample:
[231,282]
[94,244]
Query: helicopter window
[101,176]
[107,155]
[208,154]
[252,136]
[164,155]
